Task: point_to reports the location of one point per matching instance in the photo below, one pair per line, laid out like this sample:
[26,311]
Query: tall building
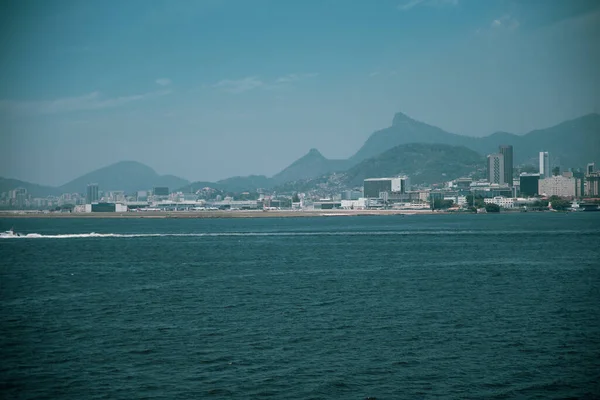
[507,152]
[592,183]
[529,185]
[545,171]
[495,168]
[91,194]
[591,168]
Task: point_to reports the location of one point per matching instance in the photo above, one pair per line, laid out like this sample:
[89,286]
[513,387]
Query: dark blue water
[441,306]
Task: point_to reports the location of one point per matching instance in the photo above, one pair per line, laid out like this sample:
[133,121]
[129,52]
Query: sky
[210,89]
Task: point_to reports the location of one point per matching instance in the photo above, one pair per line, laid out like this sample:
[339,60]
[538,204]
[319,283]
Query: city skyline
[250,88]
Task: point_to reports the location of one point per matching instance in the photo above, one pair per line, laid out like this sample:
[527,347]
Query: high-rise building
[591,168]
[495,167]
[507,152]
[91,194]
[545,171]
[592,183]
[529,185]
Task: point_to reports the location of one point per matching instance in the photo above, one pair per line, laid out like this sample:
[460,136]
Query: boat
[10,233]
[575,206]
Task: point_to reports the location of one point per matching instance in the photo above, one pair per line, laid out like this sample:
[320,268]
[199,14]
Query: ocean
[435,306]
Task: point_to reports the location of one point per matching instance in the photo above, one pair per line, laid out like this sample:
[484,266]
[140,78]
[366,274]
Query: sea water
[438,306]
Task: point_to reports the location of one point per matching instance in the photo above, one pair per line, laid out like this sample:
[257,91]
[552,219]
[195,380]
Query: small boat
[10,233]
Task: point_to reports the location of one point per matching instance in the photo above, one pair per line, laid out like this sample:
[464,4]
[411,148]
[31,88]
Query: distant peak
[400,118]
[314,152]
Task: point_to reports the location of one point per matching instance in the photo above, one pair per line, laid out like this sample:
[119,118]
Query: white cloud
[240,85]
[90,101]
[505,22]
[409,5]
[251,83]
[293,78]
[163,81]
[431,3]
[374,74]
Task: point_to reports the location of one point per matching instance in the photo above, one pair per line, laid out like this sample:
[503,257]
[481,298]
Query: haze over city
[211,89]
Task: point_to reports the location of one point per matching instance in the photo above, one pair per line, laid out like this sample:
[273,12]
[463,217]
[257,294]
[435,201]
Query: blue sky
[216,88]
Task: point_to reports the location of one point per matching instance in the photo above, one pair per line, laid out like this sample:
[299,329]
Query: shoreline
[223,214]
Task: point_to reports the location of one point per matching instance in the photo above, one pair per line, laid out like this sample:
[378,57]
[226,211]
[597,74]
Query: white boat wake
[12,235]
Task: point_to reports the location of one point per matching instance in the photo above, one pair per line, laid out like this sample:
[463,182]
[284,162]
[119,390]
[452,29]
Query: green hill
[424,163]
[572,143]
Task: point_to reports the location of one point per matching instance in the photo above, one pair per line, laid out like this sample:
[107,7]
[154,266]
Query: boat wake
[297,233]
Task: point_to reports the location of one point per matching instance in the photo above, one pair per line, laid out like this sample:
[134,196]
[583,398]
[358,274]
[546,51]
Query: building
[545,171]
[507,152]
[592,182]
[19,197]
[160,191]
[92,194]
[529,184]
[560,186]
[358,204]
[591,168]
[108,207]
[376,187]
[504,202]
[351,195]
[495,168]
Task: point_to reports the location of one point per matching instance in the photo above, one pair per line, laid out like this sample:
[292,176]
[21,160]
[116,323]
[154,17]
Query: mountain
[129,176]
[405,130]
[422,162]
[310,165]
[35,190]
[245,183]
[572,143]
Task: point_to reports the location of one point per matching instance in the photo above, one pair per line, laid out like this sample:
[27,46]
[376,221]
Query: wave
[314,233]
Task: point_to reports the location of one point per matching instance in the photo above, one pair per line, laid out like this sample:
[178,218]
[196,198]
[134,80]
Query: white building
[560,186]
[510,202]
[496,168]
[458,200]
[359,204]
[504,202]
[545,165]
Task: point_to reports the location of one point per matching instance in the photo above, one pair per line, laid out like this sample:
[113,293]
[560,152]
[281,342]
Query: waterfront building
[375,187]
[358,204]
[510,202]
[504,202]
[559,185]
[529,184]
[351,195]
[507,153]
[108,207]
[545,171]
[92,194]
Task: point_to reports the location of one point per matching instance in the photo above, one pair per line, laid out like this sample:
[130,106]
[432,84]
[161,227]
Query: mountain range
[570,144]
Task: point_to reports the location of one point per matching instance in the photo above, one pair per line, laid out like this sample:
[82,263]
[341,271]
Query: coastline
[222,214]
